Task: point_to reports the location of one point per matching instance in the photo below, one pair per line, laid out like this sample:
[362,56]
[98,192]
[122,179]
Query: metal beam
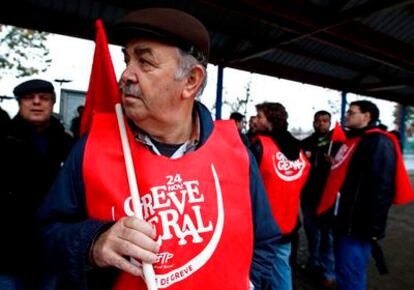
[402,126]
[344,103]
[295,74]
[382,87]
[219,91]
[364,71]
[377,43]
[302,27]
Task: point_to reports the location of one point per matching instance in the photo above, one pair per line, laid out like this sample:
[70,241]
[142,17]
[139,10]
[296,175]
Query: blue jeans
[10,282]
[352,257]
[281,267]
[320,243]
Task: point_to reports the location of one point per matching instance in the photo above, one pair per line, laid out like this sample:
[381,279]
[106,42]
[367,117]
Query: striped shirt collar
[189,146]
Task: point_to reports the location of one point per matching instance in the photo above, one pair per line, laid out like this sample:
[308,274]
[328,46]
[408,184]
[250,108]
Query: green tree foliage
[23,51]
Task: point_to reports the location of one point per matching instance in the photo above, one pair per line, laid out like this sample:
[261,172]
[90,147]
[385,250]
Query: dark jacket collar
[19,124]
[358,132]
[206,122]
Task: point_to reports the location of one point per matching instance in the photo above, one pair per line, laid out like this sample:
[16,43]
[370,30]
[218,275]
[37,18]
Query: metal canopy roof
[360,46]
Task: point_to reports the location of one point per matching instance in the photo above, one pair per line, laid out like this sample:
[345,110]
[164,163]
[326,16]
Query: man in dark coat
[365,195]
[32,151]
[240,123]
[321,262]
[4,121]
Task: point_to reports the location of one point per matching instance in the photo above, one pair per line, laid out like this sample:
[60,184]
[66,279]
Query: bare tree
[334,106]
[240,104]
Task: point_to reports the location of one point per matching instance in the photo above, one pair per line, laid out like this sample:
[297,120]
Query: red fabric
[284,180]
[103,92]
[338,134]
[404,192]
[180,197]
[337,174]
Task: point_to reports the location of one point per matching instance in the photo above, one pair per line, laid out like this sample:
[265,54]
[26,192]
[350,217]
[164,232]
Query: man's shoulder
[18,131]
[376,136]
[376,141]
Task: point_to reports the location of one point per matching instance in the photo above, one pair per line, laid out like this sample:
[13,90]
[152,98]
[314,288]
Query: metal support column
[219,91]
[403,116]
[343,107]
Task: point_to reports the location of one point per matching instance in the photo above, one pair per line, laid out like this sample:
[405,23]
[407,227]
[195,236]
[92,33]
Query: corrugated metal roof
[398,24]
[360,46]
[354,3]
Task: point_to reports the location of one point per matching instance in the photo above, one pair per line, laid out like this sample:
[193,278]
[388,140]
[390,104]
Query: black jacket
[317,145]
[368,189]
[26,173]
[4,122]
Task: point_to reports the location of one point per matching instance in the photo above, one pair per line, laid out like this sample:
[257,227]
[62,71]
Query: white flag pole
[330,147]
[149,273]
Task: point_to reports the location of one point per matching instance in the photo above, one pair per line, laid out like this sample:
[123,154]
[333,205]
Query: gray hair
[186,62]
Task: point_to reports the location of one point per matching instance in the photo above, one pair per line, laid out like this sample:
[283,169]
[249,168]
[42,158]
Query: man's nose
[36,99]
[128,75]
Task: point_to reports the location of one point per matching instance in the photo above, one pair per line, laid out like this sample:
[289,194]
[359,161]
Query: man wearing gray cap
[207,223]
[31,153]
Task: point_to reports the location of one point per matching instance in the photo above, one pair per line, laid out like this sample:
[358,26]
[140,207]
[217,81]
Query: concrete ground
[398,247]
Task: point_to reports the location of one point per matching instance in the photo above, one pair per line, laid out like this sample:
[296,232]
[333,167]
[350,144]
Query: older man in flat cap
[207,223]
[31,153]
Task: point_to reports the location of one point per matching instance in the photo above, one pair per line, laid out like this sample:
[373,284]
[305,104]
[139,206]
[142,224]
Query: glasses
[350,113]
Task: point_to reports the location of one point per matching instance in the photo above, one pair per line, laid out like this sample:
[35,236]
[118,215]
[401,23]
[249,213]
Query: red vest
[199,204]
[284,180]
[403,188]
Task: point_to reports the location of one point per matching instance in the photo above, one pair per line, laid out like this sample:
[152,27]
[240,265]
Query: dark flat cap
[33,86]
[171,25]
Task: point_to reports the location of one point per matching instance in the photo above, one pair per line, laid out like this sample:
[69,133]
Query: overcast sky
[72,60]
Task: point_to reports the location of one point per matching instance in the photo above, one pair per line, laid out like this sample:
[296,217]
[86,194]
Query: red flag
[103,92]
[338,134]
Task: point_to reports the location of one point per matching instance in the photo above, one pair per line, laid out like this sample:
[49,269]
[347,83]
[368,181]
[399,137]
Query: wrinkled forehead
[141,46]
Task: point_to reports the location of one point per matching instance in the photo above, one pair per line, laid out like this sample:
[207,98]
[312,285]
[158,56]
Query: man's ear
[194,81]
[367,117]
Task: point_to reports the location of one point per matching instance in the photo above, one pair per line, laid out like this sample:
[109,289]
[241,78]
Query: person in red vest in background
[367,175]
[207,223]
[284,170]
[321,262]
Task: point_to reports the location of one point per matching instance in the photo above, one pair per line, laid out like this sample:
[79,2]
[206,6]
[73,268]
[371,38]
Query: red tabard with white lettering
[284,180]
[199,203]
[337,174]
[403,188]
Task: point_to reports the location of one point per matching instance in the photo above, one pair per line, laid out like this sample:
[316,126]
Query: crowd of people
[221,207]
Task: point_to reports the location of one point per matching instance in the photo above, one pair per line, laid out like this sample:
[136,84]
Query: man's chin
[130,101]
[135,112]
